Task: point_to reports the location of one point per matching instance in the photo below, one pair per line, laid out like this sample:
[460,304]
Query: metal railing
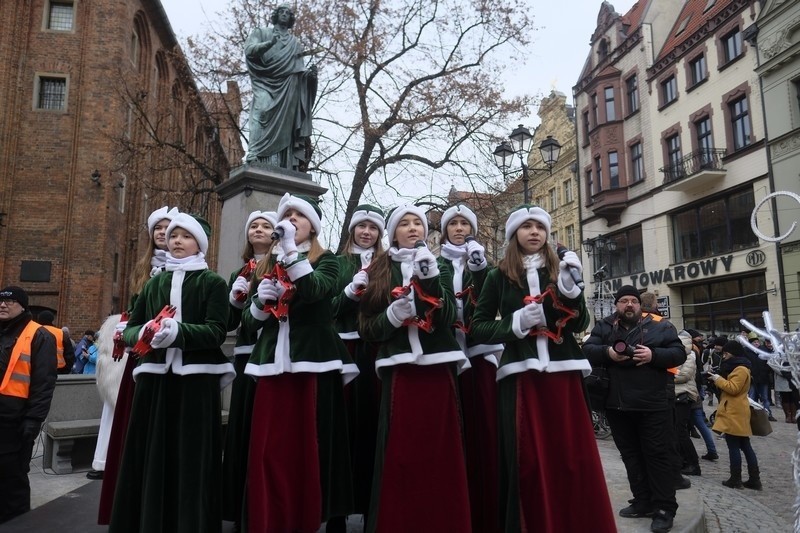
[693,164]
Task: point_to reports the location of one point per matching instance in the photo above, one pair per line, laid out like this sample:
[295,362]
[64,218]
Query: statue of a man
[283,95]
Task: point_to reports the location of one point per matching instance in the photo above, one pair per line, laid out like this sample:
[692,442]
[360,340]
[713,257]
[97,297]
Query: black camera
[623,348]
[706,375]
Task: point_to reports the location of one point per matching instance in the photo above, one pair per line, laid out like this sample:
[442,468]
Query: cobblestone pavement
[730,510]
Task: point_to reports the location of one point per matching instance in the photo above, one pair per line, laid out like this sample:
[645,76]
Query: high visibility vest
[657,318]
[59,335]
[17,380]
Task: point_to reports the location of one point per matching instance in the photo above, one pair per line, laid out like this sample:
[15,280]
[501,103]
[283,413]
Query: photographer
[638,349]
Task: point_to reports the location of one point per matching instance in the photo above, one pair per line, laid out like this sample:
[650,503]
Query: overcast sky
[557,53]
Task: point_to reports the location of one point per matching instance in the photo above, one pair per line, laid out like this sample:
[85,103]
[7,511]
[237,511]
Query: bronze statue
[283,95]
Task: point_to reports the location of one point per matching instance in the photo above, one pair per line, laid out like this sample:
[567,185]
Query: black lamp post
[520,145]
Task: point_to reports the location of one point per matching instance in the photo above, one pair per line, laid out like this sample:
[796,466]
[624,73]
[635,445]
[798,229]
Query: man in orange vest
[65,353]
[28,373]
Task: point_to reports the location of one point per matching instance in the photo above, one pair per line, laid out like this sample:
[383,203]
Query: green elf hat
[526,212]
[367,213]
[306,205]
[399,212]
[194,224]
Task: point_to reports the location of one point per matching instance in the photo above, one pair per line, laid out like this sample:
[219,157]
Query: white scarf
[532,263]
[179,268]
[157,262]
[457,254]
[365,253]
[303,247]
[405,256]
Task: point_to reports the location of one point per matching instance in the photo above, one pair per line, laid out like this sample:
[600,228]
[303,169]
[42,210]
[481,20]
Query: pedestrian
[543,422]
[257,241]
[638,351]
[28,365]
[465,259]
[82,351]
[170,478]
[785,387]
[363,246]
[760,376]
[733,415]
[299,463]
[409,307]
[151,263]
[685,395]
[65,351]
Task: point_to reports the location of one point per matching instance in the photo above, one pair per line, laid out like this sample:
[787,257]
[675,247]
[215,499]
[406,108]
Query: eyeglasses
[7,302]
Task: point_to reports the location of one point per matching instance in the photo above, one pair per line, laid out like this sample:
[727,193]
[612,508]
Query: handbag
[759,421]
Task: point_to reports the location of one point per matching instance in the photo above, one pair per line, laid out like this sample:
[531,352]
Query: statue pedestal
[253,187]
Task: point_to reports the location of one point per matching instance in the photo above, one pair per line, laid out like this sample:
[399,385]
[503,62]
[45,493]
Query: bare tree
[408,89]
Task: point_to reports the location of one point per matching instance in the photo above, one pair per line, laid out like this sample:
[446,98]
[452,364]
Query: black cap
[694,333]
[721,340]
[733,348]
[46,318]
[627,290]
[15,293]
[89,332]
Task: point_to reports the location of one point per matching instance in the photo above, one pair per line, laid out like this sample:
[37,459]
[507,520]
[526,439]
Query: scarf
[532,264]
[158,261]
[302,248]
[366,254]
[405,256]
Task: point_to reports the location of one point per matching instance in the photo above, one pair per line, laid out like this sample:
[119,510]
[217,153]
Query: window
[567,191]
[632,89]
[715,227]
[610,111]
[674,157]
[705,142]
[628,257]
[135,47]
[637,162]
[52,93]
[554,236]
[553,199]
[59,16]
[598,166]
[613,170]
[669,90]
[589,183]
[594,109]
[586,128]
[740,122]
[728,304]
[732,45]
[796,84]
[570,231]
[697,68]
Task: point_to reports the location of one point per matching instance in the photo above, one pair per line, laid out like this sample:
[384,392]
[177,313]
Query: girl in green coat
[258,240]
[171,474]
[548,456]
[409,308]
[299,463]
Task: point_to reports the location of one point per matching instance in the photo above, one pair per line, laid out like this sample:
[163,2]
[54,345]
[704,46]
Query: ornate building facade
[102,123]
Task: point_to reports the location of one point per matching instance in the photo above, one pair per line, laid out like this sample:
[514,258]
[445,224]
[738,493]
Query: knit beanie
[733,348]
[158,215]
[18,294]
[306,205]
[269,216]
[627,290]
[459,211]
[399,212]
[721,340]
[196,225]
[523,213]
[368,213]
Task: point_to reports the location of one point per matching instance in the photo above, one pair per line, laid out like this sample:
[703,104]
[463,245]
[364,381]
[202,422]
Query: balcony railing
[695,163]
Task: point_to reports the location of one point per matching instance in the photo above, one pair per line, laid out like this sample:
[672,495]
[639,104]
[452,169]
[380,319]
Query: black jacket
[631,387]
[43,374]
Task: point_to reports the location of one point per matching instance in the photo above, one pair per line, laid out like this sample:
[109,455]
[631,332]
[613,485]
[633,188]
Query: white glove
[155,271]
[165,336]
[565,282]
[530,315]
[399,310]
[360,281]
[267,291]
[425,266]
[475,250]
[287,240]
[240,285]
[120,327]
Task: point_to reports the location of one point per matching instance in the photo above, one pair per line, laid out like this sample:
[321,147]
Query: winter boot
[755,479]
[787,410]
[735,481]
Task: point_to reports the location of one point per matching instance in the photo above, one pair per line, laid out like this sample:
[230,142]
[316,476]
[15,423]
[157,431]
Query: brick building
[673,161]
[101,124]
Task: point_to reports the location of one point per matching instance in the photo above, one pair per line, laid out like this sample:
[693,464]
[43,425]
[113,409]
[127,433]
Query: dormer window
[602,49]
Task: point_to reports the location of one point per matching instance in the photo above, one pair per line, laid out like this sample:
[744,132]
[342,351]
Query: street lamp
[598,247]
[520,144]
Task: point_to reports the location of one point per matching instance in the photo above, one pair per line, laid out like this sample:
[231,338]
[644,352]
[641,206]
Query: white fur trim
[158,215]
[269,216]
[459,211]
[257,313]
[350,293]
[518,217]
[299,269]
[349,335]
[402,211]
[190,224]
[571,294]
[293,202]
[516,328]
[455,356]
[234,302]
[349,371]
[368,216]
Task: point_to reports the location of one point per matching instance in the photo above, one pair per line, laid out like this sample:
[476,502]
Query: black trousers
[683,428]
[15,489]
[645,442]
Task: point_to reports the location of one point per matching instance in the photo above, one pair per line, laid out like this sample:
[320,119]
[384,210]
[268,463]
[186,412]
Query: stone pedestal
[251,187]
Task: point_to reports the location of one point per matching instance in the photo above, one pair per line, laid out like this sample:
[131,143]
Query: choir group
[425,393]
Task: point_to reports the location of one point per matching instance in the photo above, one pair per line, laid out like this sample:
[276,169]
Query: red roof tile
[634,16]
[692,17]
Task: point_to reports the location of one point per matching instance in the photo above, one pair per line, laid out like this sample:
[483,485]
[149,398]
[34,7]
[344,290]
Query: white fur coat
[109,372]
